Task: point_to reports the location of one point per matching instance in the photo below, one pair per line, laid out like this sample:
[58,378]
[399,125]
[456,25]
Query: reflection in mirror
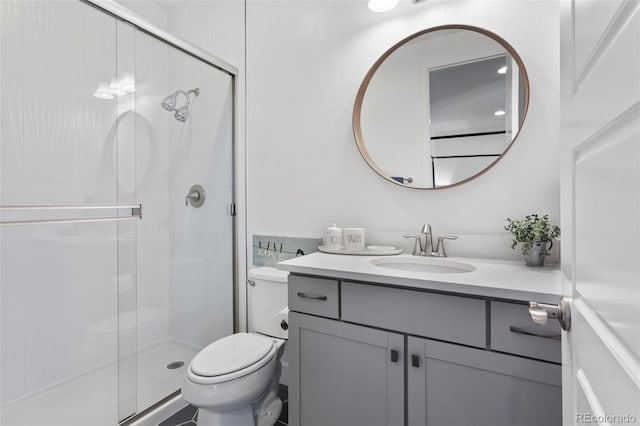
[440,107]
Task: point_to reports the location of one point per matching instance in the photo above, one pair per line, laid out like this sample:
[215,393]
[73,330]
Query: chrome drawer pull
[311,296]
[519,330]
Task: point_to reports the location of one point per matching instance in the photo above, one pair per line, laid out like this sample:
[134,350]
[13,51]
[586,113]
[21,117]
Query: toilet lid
[230,354]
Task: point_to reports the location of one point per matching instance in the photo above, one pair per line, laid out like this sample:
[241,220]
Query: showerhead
[182,113]
[169,103]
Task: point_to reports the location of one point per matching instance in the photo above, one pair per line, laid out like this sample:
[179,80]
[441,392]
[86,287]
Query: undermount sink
[424,264]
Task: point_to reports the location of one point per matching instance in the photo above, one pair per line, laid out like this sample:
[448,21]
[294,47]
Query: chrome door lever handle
[541,312]
[538,315]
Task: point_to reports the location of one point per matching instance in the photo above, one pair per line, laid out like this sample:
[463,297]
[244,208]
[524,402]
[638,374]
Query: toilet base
[268,410]
[240,417]
[267,415]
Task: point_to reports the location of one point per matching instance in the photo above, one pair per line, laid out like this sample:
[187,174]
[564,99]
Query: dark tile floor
[185,417]
[283,393]
[189,414]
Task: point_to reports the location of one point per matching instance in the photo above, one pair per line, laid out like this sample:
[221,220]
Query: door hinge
[232,209]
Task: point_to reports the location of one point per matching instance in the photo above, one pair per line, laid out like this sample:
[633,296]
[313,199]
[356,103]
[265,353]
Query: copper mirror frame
[357,110]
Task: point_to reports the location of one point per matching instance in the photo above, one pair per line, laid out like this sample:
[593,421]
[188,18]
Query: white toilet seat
[231,358]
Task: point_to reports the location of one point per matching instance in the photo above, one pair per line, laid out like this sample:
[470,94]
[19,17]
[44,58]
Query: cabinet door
[342,374]
[455,385]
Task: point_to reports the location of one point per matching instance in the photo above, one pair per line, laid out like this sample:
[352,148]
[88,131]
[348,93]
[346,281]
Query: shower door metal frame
[120,12]
[124,14]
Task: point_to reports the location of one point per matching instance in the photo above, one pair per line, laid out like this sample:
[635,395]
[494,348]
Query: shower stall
[114,270]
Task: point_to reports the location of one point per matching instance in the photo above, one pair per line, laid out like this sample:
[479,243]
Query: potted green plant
[534,233]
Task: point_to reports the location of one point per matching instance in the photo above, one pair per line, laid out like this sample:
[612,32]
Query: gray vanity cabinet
[370,354]
[453,385]
[344,374]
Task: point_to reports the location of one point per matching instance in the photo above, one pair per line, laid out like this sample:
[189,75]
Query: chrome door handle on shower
[136,213]
[195,197]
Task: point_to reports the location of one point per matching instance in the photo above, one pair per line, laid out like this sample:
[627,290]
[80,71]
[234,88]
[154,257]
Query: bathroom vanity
[371,345]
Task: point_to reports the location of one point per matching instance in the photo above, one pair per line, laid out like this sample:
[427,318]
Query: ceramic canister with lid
[333,238]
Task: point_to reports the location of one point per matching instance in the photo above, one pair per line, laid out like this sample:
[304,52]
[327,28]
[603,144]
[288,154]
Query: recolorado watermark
[589,418]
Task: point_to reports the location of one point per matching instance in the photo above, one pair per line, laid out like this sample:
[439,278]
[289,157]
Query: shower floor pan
[91,399]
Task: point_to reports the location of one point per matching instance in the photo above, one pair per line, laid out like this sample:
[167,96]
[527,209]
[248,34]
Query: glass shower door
[68,234]
[102,303]
[185,252]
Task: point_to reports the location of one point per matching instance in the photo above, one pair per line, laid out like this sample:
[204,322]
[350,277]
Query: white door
[600,57]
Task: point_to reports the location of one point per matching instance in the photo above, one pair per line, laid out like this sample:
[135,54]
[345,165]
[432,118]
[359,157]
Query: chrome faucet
[428,239]
[428,249]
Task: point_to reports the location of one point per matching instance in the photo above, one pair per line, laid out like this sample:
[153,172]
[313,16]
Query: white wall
[306,60]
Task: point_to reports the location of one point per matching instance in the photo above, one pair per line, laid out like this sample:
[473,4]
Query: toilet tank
[267,301]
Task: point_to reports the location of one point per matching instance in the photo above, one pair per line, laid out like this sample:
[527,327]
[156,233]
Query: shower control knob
[195,197]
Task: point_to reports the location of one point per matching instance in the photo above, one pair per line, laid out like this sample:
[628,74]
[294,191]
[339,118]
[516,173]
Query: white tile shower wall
[306,62]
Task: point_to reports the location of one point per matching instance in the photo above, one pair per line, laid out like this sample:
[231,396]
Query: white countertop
[491,278]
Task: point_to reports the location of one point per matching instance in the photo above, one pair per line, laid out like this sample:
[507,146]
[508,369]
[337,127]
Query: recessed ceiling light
[499,112]
[502,70]
[380,6]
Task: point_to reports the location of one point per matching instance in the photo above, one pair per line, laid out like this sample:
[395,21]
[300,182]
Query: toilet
[234,380]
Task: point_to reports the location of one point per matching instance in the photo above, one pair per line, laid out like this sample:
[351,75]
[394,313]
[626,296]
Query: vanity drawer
[513,331]
[438,316]
[315,296]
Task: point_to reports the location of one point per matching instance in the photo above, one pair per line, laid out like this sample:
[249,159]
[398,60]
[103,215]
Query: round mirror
[441,107]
